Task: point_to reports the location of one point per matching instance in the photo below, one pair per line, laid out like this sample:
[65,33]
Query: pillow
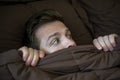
[105,18]
[14,16]
[6,1]
[79,31]
[12,20]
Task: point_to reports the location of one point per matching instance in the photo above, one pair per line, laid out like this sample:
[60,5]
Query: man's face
[54,36]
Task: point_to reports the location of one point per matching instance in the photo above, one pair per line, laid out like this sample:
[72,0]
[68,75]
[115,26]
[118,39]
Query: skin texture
[107,42]
[55,36]
[52,36]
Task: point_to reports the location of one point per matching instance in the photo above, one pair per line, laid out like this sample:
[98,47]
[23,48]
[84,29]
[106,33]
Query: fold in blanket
[81,58]
[75,63]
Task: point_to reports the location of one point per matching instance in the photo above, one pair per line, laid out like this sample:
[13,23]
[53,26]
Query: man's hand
[107,42]
[31,56]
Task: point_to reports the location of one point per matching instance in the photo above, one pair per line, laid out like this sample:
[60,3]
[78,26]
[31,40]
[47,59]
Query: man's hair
[36,21]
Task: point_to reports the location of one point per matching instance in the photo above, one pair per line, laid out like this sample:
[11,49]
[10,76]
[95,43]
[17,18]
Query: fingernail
[99,48]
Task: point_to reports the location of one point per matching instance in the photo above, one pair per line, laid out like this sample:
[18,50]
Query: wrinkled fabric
[104,16]
[75,63]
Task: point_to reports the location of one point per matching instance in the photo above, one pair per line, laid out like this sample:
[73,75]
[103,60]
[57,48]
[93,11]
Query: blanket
[75,63]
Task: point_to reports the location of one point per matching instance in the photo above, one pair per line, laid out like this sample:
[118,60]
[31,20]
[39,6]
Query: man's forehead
[51,28]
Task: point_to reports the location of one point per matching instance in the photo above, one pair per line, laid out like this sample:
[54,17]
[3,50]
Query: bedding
[13,17]
[85,18]
[104,15]
[75,63]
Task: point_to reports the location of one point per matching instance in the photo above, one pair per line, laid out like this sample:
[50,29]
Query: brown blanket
[75,63]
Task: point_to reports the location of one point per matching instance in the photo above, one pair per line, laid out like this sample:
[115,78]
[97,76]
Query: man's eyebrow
[56,33]
[67,30]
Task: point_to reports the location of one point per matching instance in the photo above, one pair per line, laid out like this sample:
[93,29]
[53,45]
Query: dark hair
[35,22]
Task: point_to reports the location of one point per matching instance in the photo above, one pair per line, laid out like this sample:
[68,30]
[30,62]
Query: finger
[112,39]
[35,58]
[25,52]
[30,57]
[108,43]
[96,44]
[102,43]
[41,54]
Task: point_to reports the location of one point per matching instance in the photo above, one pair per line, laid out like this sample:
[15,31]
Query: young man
[48,33]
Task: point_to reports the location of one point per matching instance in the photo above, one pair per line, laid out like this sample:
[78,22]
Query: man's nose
[69,43]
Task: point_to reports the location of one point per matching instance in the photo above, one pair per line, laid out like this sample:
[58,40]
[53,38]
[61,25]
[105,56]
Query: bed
[86,19]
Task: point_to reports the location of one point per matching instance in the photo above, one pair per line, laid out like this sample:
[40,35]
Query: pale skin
[55,36]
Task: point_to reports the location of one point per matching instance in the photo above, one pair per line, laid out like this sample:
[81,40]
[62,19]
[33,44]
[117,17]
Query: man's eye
[55,42]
